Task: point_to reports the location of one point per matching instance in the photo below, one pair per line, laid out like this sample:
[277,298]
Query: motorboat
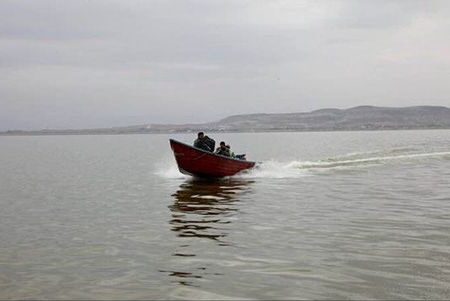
[204,164]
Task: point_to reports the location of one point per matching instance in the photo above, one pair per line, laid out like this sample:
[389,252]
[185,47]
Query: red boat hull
[199,163]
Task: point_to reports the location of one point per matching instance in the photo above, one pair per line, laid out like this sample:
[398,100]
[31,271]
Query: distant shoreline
[81,133]
[361,118]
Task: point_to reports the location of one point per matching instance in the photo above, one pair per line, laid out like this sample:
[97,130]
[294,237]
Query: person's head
[200,135]
[222,144]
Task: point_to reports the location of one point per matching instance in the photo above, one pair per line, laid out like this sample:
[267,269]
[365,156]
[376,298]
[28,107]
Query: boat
[204,164]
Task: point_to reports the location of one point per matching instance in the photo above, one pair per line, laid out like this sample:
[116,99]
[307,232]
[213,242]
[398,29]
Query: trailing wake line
[297,169]
[336,163]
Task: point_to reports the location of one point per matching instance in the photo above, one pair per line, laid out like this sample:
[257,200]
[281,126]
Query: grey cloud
[386,14]
[100,63]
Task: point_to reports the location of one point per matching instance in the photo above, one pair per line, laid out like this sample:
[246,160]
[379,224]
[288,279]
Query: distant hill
[357,118]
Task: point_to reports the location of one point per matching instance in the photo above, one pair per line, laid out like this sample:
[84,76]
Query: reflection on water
[202,212]
[201,208]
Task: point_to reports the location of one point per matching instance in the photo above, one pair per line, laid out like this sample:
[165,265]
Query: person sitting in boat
[223,150]
[232,155]
[204,142]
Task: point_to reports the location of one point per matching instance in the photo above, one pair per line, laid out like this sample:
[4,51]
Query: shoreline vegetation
[362,118]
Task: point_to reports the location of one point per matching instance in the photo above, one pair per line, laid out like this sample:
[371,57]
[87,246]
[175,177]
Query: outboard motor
[241,157]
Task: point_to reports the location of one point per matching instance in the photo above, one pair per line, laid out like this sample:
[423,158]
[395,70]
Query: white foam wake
[296,169]
[274,169]
[167,168]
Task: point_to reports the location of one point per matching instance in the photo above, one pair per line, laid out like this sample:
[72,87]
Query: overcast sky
[79,64]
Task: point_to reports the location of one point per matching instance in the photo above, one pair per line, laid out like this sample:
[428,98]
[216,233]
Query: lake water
[332,215]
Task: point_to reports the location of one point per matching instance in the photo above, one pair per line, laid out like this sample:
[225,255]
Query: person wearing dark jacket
[204,142]
[223,150]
